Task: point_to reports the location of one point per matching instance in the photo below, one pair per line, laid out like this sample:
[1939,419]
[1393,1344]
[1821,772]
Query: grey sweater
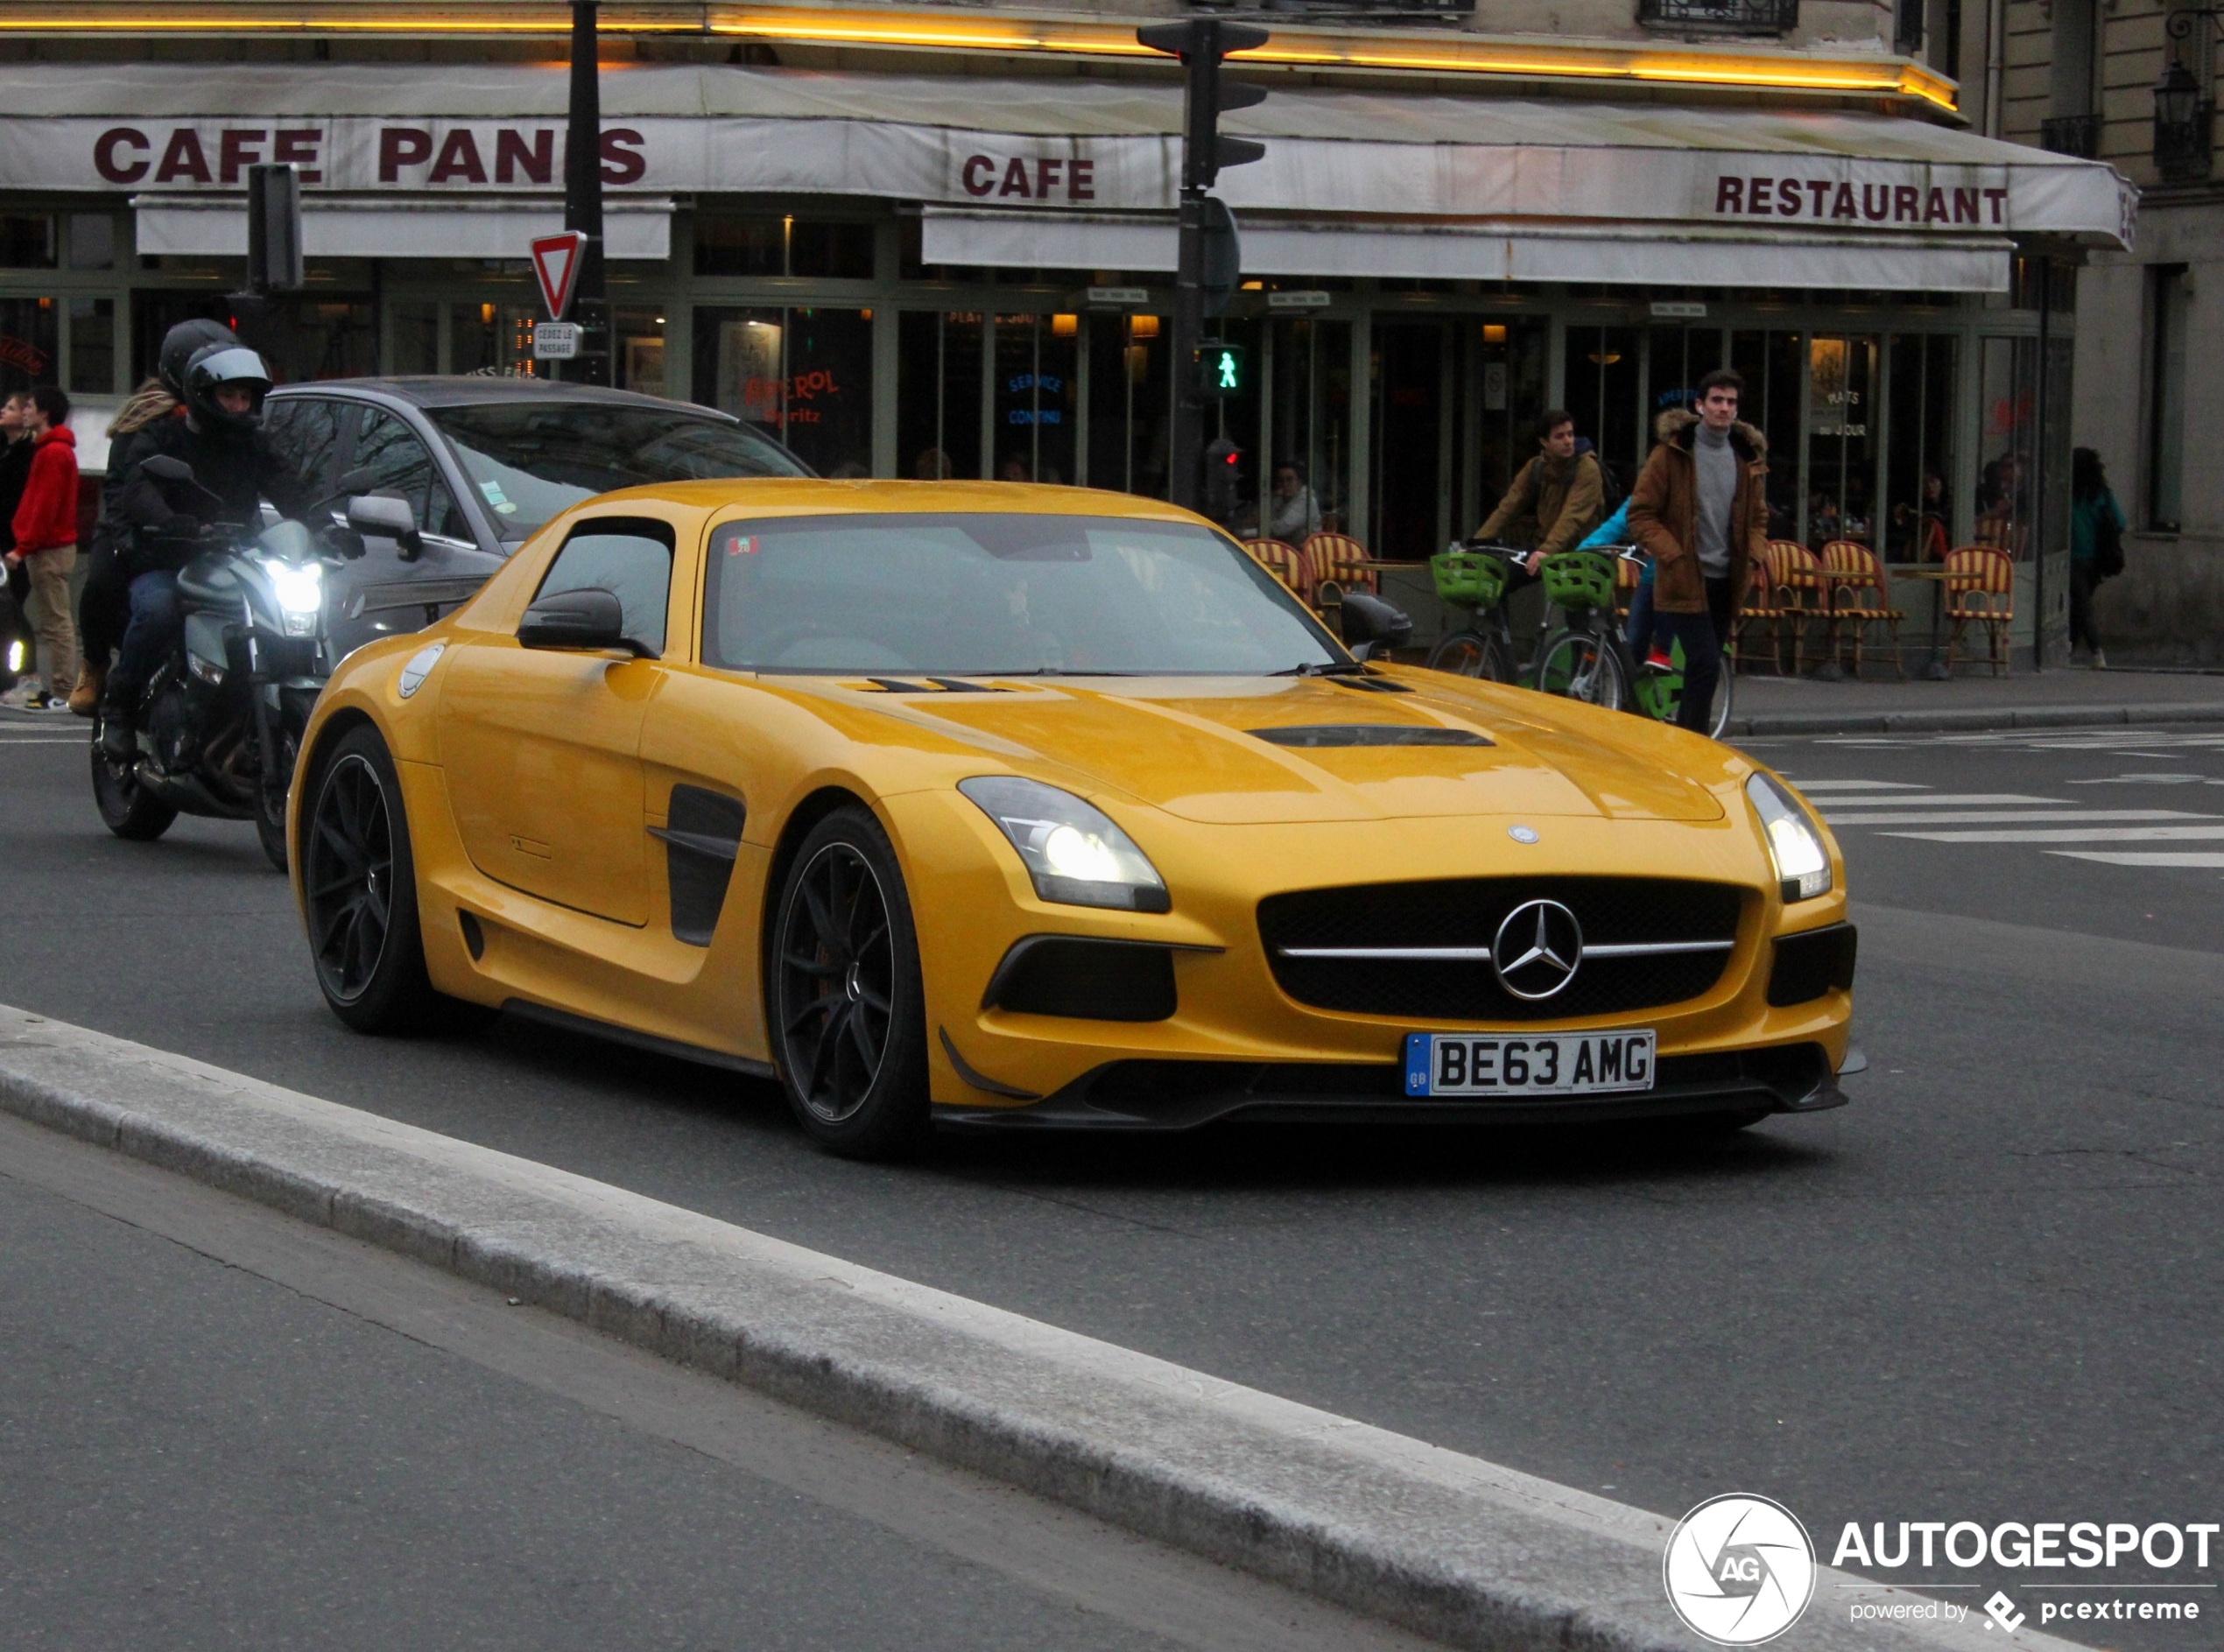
[1717,465]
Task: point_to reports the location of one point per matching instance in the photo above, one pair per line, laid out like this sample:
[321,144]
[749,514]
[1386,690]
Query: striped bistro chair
[1761,607]
[1285,562]
[1858,599]
[1981,590]
[1801,598]
[1334,559]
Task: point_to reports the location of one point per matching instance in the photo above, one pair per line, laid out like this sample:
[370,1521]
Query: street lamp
[2183,112]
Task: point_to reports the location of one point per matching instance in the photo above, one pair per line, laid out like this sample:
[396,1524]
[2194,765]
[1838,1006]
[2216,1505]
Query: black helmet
[215,367]
[178,345]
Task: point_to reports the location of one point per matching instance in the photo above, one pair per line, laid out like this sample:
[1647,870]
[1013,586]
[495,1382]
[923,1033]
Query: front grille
[1465,913]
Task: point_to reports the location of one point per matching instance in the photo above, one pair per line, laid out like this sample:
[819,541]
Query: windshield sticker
[742,545]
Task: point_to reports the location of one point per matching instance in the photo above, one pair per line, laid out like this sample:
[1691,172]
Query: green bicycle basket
[1579,580]
[1467,581]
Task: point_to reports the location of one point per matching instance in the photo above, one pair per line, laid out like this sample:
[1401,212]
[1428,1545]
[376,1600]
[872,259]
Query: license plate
[1547,1063]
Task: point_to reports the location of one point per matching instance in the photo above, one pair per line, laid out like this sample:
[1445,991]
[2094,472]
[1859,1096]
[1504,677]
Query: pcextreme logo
[1739,1569]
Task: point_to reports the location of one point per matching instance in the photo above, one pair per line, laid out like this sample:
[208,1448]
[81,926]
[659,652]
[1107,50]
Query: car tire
[359,895]
[849,1018]
[270,822]
[127,808]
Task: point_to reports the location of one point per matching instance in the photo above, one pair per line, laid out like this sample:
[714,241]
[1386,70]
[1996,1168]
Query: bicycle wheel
[1580,665]
[1472,654]
[1725,691]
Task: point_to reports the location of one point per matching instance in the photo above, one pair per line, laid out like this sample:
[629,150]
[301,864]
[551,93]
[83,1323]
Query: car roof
[813,495]
[462,390]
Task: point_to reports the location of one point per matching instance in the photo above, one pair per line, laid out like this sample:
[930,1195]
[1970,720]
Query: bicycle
[1472,576]
[1587,659]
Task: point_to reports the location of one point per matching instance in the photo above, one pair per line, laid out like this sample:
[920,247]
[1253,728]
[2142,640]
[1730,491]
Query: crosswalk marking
[1933,800]
[2071,834]
[2146,857]
[2011,817]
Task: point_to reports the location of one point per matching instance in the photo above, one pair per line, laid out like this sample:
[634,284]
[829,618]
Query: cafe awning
[1080,174]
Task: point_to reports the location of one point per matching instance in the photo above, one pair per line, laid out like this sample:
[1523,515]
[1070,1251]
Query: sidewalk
[2066,698]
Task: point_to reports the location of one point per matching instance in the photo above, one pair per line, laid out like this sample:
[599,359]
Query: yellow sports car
[1020,806]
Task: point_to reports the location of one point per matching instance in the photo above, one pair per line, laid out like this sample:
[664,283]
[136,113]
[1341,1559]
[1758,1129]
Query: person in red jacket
[46,530]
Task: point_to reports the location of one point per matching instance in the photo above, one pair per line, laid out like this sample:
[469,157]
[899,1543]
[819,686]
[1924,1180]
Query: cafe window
[1842,439]
[28,343]
[414,341]
[637,350]
[1770,362]
[92,241]
[492,337]
[1306,383]
[92,345]
[1037,409]
[802,376]
[1601,379]
[27,241]
[1918,463]
[1130,401]
[2008,380]
[781,244]
[937,394]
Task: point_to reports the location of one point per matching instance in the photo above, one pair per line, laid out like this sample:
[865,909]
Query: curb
[1962,719]
[1449,1545]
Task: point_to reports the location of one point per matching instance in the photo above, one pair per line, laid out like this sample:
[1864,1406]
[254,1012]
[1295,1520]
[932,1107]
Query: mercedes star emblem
[1537,950]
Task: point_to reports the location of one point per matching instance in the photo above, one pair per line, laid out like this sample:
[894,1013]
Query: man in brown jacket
[1702,512]
[1557,497]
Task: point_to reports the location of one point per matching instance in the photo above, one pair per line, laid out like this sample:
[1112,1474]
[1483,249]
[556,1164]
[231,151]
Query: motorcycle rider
[104,605]
[235,468]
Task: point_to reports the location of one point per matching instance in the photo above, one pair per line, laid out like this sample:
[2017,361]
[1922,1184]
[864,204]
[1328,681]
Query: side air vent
[701,835]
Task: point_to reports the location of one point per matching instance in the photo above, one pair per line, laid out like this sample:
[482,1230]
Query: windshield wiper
[1334,668]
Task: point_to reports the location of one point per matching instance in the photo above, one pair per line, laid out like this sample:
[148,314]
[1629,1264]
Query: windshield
[994,595]
[531,460]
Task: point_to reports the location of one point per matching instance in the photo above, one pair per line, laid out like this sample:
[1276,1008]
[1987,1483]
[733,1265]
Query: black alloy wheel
[359,892]
[848,1026]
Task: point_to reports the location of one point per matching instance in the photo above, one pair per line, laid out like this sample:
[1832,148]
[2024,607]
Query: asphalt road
[1988,1290]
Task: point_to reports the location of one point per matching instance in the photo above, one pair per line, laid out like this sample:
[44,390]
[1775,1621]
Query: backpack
[2108,540]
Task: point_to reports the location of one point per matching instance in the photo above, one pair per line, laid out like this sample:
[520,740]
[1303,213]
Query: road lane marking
[1937,800]
[2069,834]
[1856,785]
[2145,857]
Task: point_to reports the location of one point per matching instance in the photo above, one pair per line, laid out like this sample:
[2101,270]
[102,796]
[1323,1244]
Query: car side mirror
[1372,626]
[389,519]
[591,619]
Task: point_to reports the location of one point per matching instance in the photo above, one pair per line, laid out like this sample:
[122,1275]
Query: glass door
[1841,453]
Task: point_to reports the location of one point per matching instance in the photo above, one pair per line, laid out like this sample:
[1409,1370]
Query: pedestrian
[103,604]
[1556,498]
[1702,512]
[45,526]
[14,470]
[1293,514]
[2096,548]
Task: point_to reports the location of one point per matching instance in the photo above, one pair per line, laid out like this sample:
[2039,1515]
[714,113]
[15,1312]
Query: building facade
[2133,82]
[939,241]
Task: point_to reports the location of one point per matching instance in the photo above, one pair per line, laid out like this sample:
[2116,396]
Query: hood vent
[1320,735]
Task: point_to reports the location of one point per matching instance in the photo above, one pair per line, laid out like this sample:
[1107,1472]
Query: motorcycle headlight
[299,589]
[1073,852]
[1795,842]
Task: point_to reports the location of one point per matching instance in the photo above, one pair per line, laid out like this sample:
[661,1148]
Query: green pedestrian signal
[1220,370]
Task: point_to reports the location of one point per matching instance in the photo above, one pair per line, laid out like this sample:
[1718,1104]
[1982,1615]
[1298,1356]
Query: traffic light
[273,228]
[1220,266]
[1200,43]
[1223,475]
[1220,370]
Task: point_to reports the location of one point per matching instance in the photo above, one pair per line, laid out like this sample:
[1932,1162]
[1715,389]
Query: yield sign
[556,261]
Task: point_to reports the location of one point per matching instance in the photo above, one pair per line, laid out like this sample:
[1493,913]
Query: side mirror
[591,619]
[1371,625]
[389,519]
[166,467]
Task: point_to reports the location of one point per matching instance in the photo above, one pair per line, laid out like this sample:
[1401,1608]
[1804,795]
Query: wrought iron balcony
[1721,16]
[1384,12]
[2078,134]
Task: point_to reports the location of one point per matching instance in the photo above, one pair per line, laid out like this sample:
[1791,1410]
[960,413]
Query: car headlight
[1795,842]
[299,589]
[1076,856]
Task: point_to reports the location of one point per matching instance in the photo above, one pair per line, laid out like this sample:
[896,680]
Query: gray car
[481,463]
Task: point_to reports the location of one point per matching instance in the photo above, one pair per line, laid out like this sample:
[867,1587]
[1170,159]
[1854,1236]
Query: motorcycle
[221,720]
